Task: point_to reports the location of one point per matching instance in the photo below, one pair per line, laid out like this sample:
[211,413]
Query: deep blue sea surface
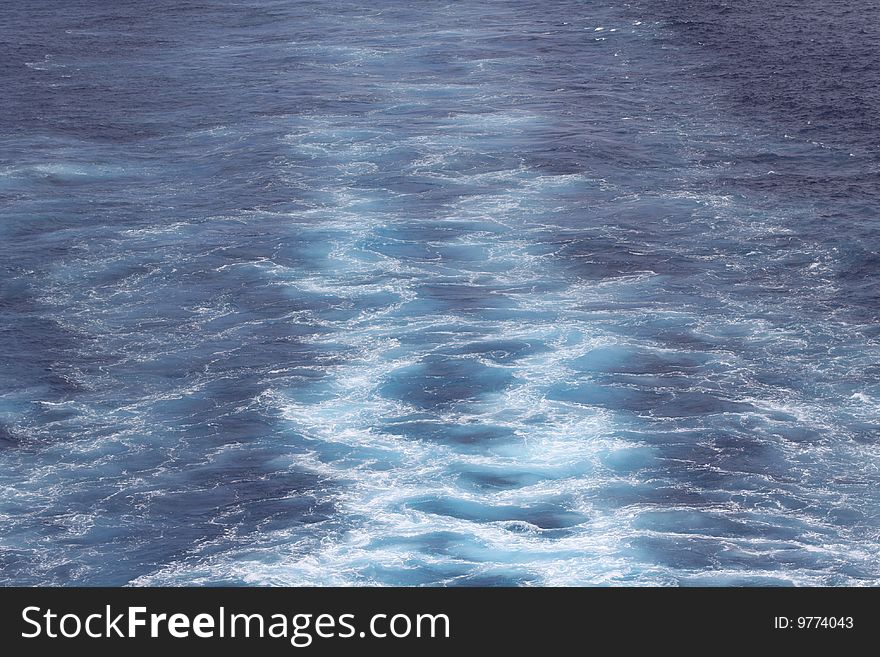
[443,293]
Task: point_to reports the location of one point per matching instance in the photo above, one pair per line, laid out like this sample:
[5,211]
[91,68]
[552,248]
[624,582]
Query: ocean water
[435,293]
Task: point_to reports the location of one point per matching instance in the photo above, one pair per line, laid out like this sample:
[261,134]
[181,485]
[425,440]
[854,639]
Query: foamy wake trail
[455,427]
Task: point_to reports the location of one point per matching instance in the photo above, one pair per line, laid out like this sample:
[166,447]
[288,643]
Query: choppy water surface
[481,293]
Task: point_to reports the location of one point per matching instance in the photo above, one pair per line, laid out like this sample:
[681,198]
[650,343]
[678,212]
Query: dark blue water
[439,293]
